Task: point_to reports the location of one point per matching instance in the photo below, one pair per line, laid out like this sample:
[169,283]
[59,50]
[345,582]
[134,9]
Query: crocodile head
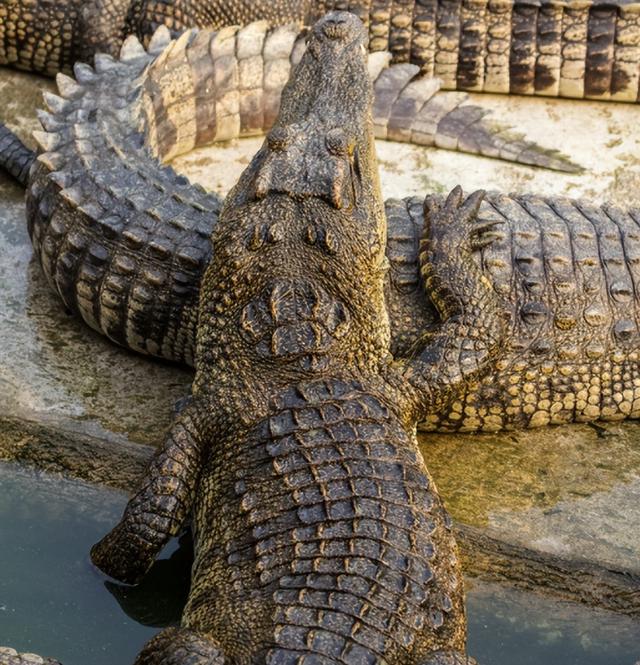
[308,218]
[322,142]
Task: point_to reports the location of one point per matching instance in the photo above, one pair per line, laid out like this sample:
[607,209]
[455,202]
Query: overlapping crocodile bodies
[125,241]
[570,271]
[573,48]
[318,534]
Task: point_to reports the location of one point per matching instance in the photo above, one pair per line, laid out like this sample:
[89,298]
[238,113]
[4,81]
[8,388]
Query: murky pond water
[53,602]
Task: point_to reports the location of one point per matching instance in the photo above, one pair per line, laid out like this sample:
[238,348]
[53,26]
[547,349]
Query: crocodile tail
[350,531]
[411,107]
[15,158]
[121,238]
[250,66]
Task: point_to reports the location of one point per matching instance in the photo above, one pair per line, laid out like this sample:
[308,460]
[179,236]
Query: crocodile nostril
[338,29]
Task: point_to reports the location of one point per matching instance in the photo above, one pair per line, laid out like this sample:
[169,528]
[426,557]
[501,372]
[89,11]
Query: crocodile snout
[337,27]
[341,28]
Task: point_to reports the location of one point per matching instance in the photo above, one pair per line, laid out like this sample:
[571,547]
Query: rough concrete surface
[557,507]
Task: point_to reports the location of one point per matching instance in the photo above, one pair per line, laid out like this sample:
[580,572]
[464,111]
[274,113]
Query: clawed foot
[454,225]
[123,556]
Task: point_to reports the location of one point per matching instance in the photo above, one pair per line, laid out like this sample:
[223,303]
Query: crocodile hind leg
[473,323]
[179,646]
[159,509]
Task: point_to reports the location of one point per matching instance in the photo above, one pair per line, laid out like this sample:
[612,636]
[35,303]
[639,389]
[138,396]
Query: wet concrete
[556,508]
[52,600]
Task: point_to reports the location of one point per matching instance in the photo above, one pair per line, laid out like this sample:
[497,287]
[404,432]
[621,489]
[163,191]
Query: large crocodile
[318,534]
[125,242]
[573,48]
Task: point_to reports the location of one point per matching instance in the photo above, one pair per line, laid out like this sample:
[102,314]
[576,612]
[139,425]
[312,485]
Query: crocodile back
[341,528]
[569,275]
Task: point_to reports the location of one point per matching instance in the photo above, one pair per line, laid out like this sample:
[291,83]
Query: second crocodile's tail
[15,158]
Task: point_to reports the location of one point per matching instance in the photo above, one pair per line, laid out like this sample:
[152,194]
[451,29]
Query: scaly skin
[218,86]
[125,242]
[318,534]
[579,49]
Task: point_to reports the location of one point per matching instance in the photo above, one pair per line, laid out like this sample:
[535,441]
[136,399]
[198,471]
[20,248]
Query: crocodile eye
[337,142]
[278,139]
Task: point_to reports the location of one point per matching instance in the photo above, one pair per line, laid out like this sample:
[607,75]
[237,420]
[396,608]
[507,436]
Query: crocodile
[573,48]
[319,536]
[251,65]
[125,242]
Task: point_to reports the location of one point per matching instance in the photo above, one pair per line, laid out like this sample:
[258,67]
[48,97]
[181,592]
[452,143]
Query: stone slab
[555,508]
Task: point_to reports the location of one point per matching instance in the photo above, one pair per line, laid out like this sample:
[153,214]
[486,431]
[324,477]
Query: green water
[54,603]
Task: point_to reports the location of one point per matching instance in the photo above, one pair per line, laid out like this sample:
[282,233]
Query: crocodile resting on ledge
[319,536]
[570,48]
[125,241]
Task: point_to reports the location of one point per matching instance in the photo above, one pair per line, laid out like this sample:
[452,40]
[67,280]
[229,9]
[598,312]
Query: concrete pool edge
[58,446]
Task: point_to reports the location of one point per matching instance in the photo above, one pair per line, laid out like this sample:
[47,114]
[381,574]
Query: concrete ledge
[494,560]
[54,447]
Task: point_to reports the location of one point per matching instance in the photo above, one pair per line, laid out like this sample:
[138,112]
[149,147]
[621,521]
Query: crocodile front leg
[474,324]
[159,509]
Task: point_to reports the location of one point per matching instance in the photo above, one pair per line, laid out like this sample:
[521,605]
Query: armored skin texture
[125,241]
[318,534]
[579,49]
[215,86]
